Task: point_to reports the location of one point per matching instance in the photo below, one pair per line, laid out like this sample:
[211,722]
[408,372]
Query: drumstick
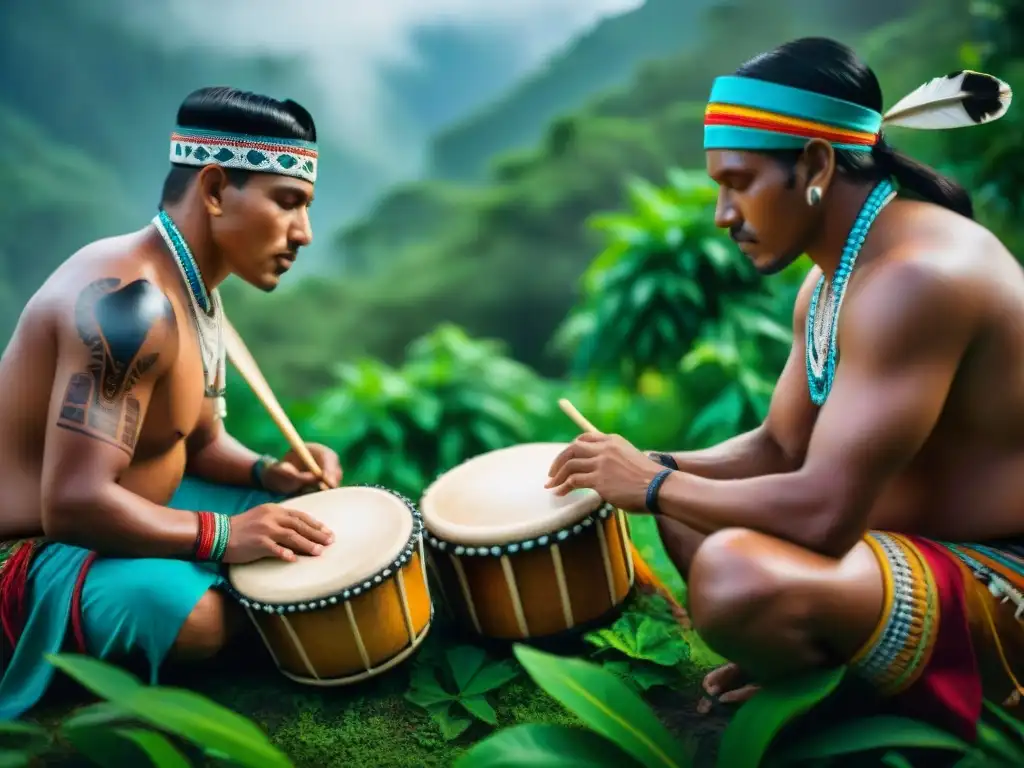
[644,573]
[570,410]
[246,365]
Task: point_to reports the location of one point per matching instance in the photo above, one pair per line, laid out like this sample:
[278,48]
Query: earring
[813,196]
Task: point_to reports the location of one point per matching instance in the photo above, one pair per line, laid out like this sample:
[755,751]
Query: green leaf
[104,747]
[102,714]
[156,747]
[178,711]
[452,726]
[896,760]
[643,638]
[464,661]
[28,738]
[425,690]
[724,412]
[1005,718]
[992,742]
[536,745]
[479,708]
[869,733]
[16,759]
[493,676]
[750,732]
[606,704]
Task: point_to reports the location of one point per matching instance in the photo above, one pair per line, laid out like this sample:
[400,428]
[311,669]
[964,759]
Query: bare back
[965,481]
[72,363]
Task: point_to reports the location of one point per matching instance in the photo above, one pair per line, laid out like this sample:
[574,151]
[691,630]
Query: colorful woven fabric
[940,599]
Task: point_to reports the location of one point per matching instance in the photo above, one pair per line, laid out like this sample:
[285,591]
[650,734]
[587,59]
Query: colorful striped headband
[748,114]
[288,157]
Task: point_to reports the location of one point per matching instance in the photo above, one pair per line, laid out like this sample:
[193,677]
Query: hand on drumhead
[271,530]
[608,464]
[290,475]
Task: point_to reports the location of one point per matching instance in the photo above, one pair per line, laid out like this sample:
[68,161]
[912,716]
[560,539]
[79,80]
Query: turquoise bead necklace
[822,326]
[206,310]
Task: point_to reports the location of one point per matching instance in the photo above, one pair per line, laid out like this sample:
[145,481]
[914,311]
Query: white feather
[939,104]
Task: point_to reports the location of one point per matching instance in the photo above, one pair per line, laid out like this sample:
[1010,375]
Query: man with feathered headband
[114,389]
[876,517]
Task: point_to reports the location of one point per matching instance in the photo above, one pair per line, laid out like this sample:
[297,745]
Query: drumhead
[372,528]
[499,497]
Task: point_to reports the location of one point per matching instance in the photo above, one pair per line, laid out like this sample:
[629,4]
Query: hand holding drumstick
[285,476]
[645,576]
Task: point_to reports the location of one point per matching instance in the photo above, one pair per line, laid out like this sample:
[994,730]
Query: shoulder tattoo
[114,321]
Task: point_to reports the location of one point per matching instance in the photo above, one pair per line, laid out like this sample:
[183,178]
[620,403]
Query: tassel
[13,587]
[648,582]
[957,100]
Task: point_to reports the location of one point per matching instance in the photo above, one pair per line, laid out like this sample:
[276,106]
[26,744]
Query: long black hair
[830,68]
[220,108]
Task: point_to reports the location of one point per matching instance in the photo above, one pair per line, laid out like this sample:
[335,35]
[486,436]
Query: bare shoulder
[115,290]
[929,286]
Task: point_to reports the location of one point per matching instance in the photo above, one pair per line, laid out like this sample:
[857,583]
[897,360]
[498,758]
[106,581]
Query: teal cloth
[128,605]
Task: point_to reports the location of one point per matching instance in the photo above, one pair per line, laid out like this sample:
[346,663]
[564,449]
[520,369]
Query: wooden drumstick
[578,418]
[644,573]
[246,365]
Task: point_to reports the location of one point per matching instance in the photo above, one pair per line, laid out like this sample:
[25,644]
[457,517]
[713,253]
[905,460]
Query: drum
[360,607]
[516,562]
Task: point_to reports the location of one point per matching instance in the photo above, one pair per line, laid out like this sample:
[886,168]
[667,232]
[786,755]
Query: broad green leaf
[536,745]
[993,742]
[104,747]
[606,704]
[178,711]
[750,732]
[16,758]
[157,748]
[896,760]
[869,733]
[102,714]
[22,740]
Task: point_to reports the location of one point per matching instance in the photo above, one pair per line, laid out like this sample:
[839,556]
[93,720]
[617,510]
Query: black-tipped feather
[959,99]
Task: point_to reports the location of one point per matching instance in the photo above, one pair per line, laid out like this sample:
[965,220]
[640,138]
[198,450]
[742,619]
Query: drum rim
[531,544]
[474,536]
[362,586]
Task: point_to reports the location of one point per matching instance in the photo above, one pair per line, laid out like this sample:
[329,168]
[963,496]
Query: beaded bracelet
[665,459]
[212,536]
[653,488]
[259,467]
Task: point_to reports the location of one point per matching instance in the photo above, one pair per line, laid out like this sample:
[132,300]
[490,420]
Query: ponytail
[922,181]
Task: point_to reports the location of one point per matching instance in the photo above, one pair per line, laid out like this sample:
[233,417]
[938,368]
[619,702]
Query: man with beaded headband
[123,491]
[875,517]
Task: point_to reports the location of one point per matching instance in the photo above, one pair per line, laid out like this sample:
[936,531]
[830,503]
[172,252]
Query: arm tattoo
[113,321]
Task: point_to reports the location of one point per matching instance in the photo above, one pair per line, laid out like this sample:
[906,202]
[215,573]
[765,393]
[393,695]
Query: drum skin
[536,578]
[342,634]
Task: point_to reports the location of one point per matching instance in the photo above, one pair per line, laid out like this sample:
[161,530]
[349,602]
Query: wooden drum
[516,562]
[360,607]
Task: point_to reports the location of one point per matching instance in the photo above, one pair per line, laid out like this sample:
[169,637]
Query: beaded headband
[288,157]
[748,114]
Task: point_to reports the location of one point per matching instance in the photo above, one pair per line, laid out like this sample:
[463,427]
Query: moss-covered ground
[373,725]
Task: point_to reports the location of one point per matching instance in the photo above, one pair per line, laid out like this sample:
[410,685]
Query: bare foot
[727,685]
